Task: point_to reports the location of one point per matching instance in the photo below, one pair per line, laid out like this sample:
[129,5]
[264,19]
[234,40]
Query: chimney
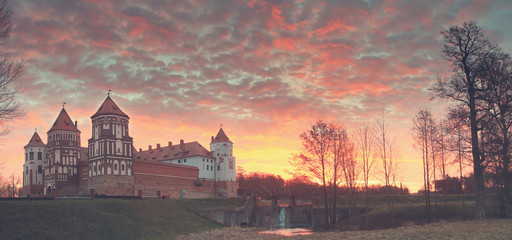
[140,149]
[76,124]
[158,146]
[212,138]
[149,147]
[182,142]
[170,144]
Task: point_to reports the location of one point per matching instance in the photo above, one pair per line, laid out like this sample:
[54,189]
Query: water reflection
[288,232]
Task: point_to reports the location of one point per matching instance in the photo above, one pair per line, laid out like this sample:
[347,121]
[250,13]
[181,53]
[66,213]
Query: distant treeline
[266,185]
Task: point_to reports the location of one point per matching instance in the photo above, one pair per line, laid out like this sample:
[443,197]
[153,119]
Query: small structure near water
[273,215]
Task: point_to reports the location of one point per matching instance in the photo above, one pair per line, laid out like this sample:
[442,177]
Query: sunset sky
[266,70]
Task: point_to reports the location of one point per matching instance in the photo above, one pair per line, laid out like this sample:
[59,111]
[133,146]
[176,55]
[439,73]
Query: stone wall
[113,185]
[239,217]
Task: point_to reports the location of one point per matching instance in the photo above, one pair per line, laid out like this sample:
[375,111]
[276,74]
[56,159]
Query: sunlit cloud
[267,70]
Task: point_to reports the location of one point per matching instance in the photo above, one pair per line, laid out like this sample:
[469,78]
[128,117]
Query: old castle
[110,165]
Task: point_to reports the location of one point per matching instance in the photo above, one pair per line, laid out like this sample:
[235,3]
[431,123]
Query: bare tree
[387,153]
[433,146]
[345,153]
[459,142]
[421,131]
[498,101]
[314,159]
[366,144]
[466,48]
[10,70]
[442,148]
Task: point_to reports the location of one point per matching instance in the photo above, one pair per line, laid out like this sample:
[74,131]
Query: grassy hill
[105,219]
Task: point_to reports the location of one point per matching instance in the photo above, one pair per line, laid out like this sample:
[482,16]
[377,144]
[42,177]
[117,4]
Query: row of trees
[330,157]
[478,124]
[267,186]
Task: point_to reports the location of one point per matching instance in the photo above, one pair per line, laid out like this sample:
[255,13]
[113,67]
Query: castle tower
[110,152]
[62,155]
[33,167]
[225,171]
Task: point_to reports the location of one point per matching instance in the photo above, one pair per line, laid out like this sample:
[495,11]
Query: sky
[265,70]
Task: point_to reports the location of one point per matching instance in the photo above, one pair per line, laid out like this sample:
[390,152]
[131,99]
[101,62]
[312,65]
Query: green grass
[410,210]
[488,229]
[105,219]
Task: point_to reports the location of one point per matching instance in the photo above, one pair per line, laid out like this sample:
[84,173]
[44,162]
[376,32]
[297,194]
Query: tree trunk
[478,168]
[326,204]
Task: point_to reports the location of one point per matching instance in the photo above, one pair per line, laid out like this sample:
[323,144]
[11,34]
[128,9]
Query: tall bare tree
[366,144]
[459,141]
[422,131]
[498,99]
[345,152]
[314,159]
[10,70]
[466,48]
[387,152]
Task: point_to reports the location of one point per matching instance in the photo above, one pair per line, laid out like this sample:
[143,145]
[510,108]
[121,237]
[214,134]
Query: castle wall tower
[62,155]
[33,183]
[225,170]
[110,152]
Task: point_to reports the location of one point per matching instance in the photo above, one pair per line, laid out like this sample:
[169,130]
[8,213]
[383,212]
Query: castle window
[122,167]
[26,170]
[39,156]
[218,167]
[179,161]
[203,159]
[115,166]
[207,167]
[31,155]
[185,160]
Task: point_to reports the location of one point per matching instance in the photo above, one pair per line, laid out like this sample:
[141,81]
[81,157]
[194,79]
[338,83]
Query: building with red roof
[111,166]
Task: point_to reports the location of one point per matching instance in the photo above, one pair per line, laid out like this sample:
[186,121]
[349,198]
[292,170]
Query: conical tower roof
[109,107]
[221,137]
[63,122]
[35,141]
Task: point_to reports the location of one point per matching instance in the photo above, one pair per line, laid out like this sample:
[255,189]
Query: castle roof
[221,137]
[178,151]
[63,122]
[109,107]
[35,141]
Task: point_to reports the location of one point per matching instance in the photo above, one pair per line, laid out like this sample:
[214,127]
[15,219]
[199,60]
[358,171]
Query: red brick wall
[165,169]
[171,179]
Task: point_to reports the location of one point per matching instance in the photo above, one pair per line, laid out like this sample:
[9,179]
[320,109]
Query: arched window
[115,166]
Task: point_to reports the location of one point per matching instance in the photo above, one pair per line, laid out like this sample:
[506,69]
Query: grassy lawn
[410,210]
[168,219]
[104,219]
[489,229]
